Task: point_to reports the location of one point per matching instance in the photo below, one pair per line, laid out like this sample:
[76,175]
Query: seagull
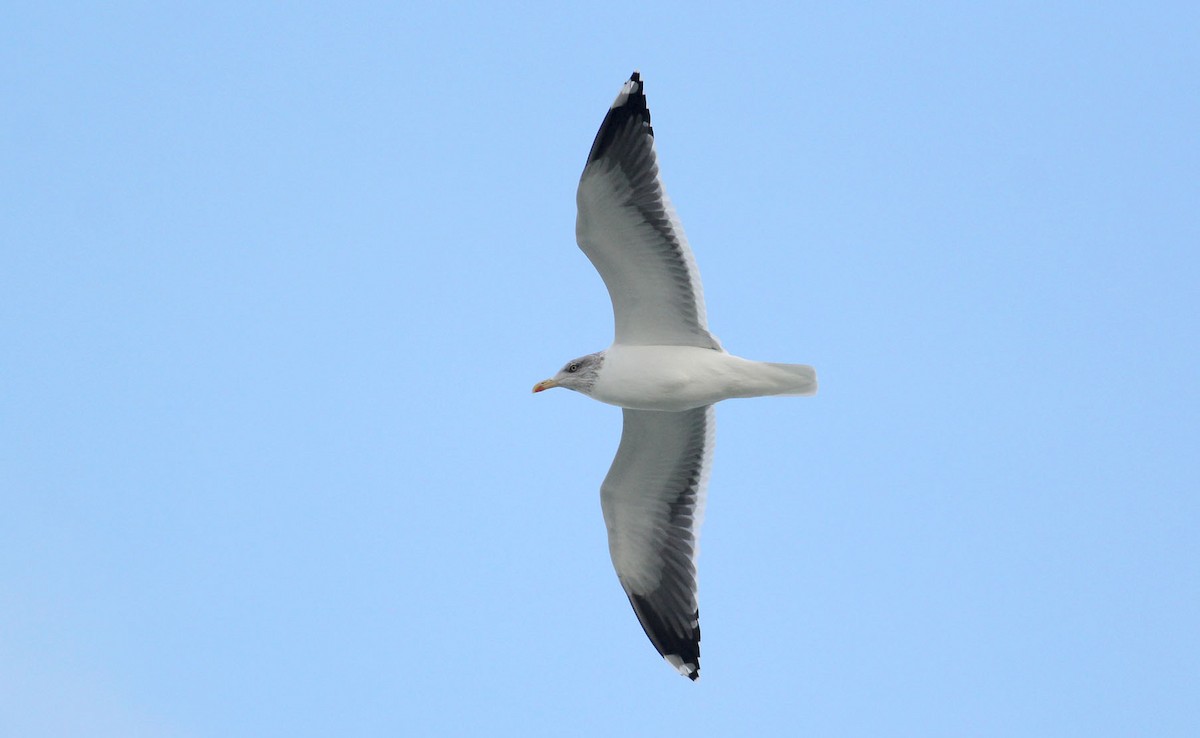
[664,369]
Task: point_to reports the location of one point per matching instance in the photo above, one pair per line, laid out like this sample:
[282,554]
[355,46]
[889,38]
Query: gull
[664,369]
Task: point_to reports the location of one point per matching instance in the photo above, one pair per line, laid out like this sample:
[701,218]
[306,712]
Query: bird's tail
[795,379]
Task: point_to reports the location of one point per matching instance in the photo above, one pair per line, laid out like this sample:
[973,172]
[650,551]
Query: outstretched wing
[653,502]
[629,230]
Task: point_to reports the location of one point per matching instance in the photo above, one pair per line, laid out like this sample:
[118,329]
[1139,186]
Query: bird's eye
[573,368]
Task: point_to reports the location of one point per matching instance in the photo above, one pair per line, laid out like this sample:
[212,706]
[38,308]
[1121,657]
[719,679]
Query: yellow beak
[544,385]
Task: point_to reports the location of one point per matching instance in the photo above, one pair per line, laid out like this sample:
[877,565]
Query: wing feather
[629,230]
[653,502]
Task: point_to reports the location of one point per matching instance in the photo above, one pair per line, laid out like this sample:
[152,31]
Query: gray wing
[653,501]
[629,230]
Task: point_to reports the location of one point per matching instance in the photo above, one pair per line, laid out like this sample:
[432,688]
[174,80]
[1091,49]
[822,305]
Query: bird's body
[664,369]
[676,378]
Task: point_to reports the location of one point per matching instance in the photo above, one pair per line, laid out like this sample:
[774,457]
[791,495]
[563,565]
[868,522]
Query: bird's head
[578,374]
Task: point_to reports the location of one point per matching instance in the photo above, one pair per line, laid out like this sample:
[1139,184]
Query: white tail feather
[798,379]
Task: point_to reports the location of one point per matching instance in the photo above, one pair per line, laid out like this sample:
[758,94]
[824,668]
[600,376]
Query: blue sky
[277,282]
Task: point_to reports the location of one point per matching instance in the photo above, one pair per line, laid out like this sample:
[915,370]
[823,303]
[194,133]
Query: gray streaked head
[577,374]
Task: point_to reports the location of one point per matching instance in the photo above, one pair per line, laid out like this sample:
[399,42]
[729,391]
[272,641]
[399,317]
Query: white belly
[679,378]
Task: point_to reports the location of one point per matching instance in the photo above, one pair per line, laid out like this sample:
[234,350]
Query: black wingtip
[630,105]
[691,670]
[681,649]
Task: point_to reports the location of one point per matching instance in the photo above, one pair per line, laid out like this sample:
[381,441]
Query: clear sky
[276,282]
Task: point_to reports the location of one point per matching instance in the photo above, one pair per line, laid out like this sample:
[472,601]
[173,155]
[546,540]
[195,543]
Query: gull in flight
[664,369]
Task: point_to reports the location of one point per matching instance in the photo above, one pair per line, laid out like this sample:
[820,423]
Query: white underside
[679,378]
